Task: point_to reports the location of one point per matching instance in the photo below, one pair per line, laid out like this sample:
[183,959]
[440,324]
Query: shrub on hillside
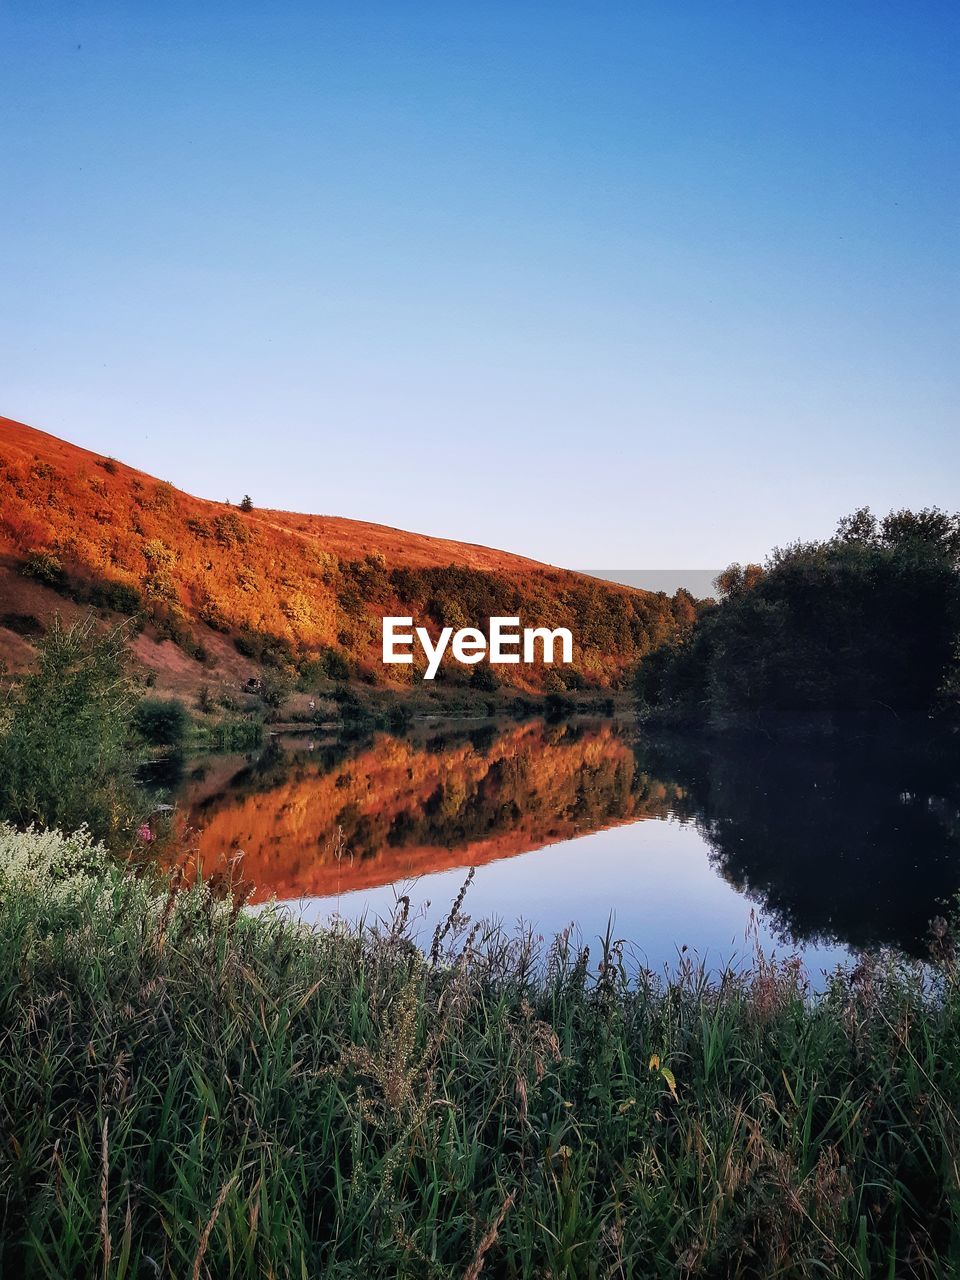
[230,530]
[275,687]
[484,678]
[212,612]
[329,664]
[23,624]
[45,567]
[121,597]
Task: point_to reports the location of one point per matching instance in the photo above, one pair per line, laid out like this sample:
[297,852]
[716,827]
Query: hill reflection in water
[836,848]
[401,807]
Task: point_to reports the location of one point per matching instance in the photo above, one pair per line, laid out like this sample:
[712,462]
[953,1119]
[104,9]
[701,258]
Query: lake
[822,849]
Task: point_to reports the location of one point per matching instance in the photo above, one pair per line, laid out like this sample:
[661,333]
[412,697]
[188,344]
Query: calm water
[828,850]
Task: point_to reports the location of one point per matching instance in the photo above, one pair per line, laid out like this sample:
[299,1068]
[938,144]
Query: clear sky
[613,285]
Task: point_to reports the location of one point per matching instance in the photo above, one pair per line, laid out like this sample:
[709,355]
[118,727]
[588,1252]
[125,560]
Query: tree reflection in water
[855,843]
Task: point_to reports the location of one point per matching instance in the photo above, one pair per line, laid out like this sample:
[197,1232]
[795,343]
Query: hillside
[222,594]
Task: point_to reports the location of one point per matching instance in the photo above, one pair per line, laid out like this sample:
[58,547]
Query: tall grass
[190,1090]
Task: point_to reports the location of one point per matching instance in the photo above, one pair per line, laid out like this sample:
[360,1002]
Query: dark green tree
[484,678]
[161,722]
[863,625]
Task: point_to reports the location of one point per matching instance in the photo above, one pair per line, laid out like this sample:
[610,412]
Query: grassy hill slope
[221,593]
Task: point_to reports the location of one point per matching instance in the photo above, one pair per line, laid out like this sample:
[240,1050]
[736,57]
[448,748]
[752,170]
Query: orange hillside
[233,589]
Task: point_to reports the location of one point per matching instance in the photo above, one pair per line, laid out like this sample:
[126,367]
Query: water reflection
[856,842]
[857,846]
[316,819]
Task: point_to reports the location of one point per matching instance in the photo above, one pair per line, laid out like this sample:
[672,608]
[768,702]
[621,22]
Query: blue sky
[614,285]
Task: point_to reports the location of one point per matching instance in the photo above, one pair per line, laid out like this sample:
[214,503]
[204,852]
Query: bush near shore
[188,1089]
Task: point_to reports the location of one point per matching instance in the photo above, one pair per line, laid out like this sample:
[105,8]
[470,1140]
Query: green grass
[188,1090]
[229,733]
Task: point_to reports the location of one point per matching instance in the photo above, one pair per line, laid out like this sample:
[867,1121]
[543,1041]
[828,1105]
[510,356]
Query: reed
[189,1089]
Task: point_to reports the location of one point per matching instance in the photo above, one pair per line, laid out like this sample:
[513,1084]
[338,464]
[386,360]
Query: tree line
[863,626]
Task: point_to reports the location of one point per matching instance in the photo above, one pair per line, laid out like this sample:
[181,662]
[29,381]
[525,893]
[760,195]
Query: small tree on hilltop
[246,503]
